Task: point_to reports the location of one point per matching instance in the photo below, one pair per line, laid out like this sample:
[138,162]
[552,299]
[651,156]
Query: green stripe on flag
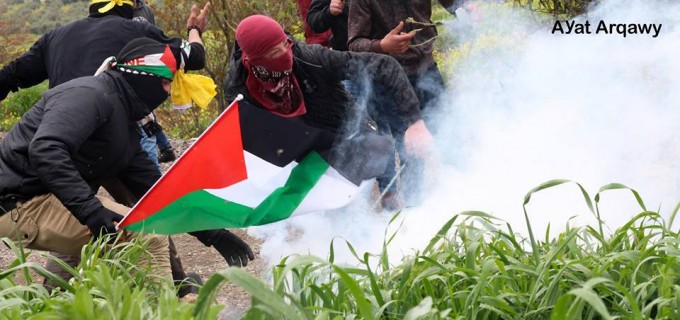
[198,210]
[283,201]
[201,210]
[161,71]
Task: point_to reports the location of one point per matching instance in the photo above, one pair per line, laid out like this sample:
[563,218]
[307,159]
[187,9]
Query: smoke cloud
[524,106]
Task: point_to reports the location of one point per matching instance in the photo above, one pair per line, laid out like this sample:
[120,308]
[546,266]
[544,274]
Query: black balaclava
[144,63]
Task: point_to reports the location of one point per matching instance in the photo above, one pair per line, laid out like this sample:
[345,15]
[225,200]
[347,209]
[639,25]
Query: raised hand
[199,19]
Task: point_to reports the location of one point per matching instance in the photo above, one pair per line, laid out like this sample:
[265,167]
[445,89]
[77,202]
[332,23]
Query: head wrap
[270,81]
[100,8]
[144,62]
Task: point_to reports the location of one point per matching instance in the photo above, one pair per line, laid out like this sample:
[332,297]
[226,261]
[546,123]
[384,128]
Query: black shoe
[190,284]
[166,155]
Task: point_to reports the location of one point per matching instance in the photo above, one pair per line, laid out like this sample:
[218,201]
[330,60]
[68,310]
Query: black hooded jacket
[79,133]
[320,71]
[79,48]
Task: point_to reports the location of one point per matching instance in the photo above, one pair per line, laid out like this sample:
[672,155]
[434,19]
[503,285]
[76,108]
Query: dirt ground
[196,257]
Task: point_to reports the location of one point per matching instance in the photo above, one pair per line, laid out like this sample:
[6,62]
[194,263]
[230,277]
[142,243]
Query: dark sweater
[320,19]
[371,20]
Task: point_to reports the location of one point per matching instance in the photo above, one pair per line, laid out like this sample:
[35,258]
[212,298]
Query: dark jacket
[79,48]
[372,20]
[320,72]
[320,19]
[79,133]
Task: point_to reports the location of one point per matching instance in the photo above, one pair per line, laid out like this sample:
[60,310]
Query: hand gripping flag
[252,167]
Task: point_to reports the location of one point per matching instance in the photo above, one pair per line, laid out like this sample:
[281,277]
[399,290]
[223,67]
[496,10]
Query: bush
[18,103]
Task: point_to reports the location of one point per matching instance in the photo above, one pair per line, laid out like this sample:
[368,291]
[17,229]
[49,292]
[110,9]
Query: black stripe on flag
[279,141]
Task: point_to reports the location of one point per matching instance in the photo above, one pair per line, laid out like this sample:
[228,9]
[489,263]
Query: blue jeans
[162,140]
[149,145]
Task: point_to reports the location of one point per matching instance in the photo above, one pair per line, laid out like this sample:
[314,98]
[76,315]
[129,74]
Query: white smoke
[526,106]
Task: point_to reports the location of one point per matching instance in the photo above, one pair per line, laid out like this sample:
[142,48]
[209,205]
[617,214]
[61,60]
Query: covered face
[268,58]
[146,65]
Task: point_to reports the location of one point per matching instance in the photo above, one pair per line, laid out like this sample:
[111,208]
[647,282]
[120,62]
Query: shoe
[166,155]
[391,202]
[189,285]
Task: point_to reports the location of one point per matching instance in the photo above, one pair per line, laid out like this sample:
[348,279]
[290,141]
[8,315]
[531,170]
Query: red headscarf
[270,80]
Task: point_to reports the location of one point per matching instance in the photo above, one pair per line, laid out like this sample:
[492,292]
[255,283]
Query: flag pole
[239,97]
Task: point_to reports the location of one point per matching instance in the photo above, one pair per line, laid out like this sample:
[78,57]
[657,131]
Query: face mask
[149,89]
[272,70]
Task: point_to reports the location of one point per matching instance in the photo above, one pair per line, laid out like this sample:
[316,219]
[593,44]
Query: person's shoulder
[84,90]
[301,48]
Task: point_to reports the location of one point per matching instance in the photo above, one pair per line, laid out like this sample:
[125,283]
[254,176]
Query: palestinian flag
[252,167]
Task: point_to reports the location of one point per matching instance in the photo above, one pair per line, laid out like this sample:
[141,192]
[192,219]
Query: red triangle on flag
[214,161]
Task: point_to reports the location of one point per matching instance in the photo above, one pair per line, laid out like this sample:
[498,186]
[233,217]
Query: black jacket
[320,19]
[320,72]
[79,133]
[79,48]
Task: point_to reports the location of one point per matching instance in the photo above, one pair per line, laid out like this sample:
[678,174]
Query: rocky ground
[195,257]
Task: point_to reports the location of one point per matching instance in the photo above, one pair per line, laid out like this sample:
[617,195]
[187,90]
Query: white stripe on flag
[332,191]
[263,179]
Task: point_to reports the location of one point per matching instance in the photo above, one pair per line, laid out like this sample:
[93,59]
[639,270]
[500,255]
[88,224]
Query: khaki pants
[43,223]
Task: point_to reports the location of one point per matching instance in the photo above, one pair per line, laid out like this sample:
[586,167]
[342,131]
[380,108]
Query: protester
[79,133]
[291,79]
[403,30]
[91,40]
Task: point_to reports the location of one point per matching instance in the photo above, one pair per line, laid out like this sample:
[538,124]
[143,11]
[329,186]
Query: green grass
[476,267]
[107,284]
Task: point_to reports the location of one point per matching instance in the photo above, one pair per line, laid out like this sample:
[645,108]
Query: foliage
[37,17]
[185,124]
[559,9]
[480,269]
[107,284]
[16,104]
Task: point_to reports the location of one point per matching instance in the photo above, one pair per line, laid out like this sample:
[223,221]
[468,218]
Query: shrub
[16,104]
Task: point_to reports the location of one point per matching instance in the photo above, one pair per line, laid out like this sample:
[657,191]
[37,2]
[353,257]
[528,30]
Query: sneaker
[167,155]
[189,285]
[391,202]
